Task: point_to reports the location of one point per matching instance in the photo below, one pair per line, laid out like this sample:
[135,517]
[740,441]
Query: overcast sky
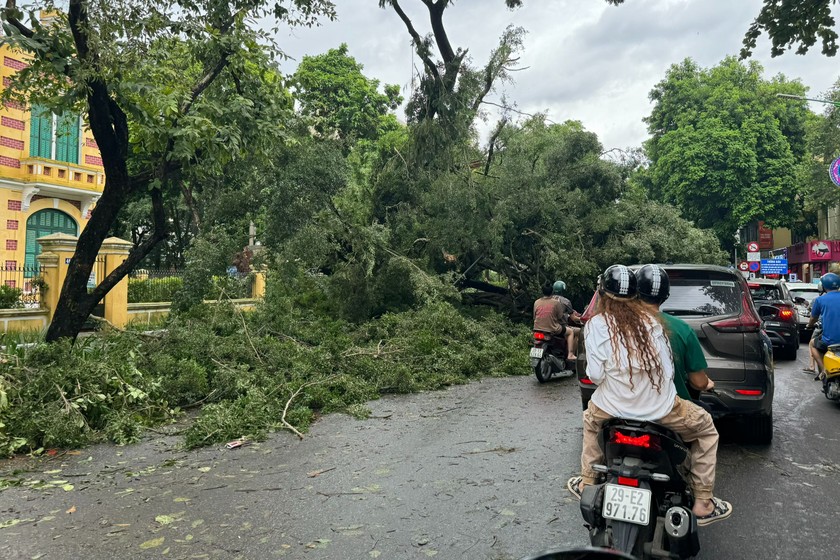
[586,60]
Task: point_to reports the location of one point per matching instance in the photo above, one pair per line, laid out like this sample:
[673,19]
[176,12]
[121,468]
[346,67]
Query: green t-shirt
[688,354]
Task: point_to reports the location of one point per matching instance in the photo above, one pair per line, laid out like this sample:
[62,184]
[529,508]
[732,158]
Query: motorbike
[831,379]
[643,507]
[548,356]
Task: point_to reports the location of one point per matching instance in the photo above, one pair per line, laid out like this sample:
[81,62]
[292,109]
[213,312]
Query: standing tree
[335,95]
[141,72]
[724,148]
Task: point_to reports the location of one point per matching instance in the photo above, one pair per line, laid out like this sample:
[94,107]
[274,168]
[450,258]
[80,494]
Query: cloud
[586,61]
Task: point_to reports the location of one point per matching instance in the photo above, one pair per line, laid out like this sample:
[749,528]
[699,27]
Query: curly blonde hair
[629,321]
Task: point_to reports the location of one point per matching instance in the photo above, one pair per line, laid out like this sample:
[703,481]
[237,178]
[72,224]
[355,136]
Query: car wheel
[758,429]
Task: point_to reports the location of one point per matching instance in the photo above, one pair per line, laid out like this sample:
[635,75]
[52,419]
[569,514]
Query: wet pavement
[474,472]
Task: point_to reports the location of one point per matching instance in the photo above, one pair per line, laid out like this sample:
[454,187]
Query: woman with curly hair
[629,358]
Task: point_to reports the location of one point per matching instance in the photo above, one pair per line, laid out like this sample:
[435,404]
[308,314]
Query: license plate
[537,352]
[624,503]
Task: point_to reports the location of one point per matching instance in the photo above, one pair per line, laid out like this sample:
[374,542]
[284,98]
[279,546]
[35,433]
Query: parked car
[803,295]
[781,320]
[716,302]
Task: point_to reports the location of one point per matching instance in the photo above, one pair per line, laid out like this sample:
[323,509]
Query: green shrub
[10,297]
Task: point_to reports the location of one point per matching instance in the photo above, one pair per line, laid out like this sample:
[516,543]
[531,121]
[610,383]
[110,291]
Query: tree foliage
[791,23]
[338,98]
[723,147]
[166,86]
[823,146]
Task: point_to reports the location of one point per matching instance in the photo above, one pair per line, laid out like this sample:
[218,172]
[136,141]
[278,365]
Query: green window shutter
[45,132]
[35,138]
[67,139]
[41,224]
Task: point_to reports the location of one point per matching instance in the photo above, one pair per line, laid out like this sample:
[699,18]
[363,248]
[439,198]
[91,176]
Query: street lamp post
[826,101]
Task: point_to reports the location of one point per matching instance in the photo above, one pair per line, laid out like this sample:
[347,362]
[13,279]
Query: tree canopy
[790,24]
[723,147]
[338,98]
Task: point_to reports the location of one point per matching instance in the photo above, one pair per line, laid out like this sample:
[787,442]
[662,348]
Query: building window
[54,136]
[41,224]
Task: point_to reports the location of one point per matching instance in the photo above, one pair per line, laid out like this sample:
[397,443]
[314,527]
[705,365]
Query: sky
[583,59]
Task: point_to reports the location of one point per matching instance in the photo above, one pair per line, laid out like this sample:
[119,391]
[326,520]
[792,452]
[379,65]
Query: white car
[803,294]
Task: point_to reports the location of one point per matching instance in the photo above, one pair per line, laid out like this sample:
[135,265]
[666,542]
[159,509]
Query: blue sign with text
[774,266]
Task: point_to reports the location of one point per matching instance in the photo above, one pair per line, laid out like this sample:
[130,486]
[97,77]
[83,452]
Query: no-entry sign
[743,266]
[752,247]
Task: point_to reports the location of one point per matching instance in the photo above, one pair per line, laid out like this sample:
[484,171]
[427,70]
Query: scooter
[548,357]
[831,379]
[644,506]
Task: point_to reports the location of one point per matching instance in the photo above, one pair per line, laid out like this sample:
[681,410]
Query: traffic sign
[752,247]
[774,266]
[754,256]
[754,266]
[834,171]
[743,265]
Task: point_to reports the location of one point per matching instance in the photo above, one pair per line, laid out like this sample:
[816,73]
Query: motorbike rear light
[587,381]
[749,392]
[625,481]
[539,336]
[645,440]
[747,321]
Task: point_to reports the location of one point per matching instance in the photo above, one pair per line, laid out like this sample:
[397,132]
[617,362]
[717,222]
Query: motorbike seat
[835,348]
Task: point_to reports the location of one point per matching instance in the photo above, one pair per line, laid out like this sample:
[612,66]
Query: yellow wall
[64,186]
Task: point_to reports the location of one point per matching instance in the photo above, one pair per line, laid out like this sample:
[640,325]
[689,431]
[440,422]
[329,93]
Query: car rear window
[702,292]
[808,295]
[765,292]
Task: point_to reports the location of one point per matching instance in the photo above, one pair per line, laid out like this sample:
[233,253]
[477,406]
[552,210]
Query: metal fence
[21,286]
[154,285]
[160,285]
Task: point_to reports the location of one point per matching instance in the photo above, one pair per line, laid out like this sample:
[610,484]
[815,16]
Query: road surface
[474,472]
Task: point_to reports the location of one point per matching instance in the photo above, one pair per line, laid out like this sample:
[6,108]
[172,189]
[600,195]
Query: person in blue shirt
[826,308]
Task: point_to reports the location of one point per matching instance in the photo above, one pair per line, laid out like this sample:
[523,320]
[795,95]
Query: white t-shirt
[612,374]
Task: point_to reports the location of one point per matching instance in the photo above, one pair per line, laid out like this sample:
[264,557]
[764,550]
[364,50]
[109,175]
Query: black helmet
[653,284]
[619,281]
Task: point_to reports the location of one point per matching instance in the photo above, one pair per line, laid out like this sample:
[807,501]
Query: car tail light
[645,440]
[749,392]
[625,481]
[747,321]
[539,336]
[586,381]
[786,314]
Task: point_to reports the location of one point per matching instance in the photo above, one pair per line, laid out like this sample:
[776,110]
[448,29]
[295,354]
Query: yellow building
[51,175]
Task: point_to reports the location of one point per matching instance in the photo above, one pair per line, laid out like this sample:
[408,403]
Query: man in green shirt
[689,362]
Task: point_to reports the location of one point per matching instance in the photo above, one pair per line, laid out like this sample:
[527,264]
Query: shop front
[811,259]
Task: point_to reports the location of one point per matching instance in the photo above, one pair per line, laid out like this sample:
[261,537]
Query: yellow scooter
[831,379]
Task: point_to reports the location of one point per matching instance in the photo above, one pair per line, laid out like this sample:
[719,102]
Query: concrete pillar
[115,251]
[56,251]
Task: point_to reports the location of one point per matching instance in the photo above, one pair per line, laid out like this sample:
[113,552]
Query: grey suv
[716,302]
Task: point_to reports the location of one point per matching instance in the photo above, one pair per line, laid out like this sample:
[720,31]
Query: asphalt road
[474,472]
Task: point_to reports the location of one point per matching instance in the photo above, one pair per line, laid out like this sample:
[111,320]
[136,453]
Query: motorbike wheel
[543,370]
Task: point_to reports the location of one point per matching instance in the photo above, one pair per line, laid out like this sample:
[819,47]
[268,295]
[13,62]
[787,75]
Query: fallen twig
[289,402]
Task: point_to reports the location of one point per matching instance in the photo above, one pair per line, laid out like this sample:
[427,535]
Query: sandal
[574,486]
[723,509]
[809,370]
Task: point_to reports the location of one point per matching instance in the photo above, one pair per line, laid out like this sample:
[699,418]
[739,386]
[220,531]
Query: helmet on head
[653,284]
[830,281]
[619,281]
[558,288]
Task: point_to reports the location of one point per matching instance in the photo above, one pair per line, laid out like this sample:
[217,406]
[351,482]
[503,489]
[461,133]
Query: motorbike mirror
[587,553]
